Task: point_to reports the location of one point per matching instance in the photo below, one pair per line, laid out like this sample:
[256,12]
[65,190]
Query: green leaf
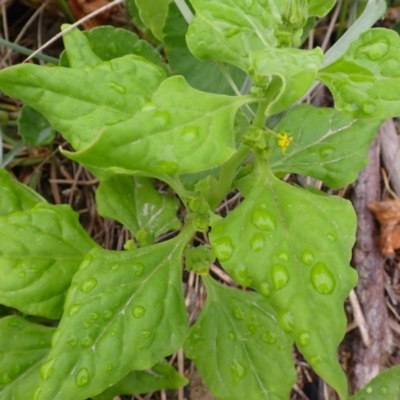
[134,202]
[229,31]
[15,196]
[80,102]
[365,80]
[287,73]
[383,387]
[41,249]
[201,75]
[153,14]
[34,127]
[239,348]
[320,8]
[24,346]
[294,247]
[327,144]
[181,131]
[124,311]
[161,376]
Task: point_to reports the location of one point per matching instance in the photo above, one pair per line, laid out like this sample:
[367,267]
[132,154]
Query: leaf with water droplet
[307,287]
[155,141]
[241,329]
[143,314]
[21,356]
[327,144]
[160,376]
[365,79]
[133,201]
[385,386]
[45,254]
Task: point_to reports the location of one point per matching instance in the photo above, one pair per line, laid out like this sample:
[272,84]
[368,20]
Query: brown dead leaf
[81,8]
[387,212]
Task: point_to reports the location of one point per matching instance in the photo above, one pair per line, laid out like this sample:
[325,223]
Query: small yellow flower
[284,141]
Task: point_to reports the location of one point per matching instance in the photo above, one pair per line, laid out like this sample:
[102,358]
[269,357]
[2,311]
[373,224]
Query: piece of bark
[366,363]
[390,151]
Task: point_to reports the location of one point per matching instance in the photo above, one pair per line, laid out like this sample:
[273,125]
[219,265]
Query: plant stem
[229,170]
[27,52]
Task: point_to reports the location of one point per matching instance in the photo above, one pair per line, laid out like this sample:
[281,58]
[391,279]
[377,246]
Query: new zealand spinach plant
[129,122]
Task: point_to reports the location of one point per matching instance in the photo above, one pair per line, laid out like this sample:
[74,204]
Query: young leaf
[182,130]
[41,249]
[15,196]
[288,84]
[201,75]
[34,127]
[229,31]
[365,80]
[320,8]
[124,311]
[385,386]
[134,202]
[327,144]
[294,247]
[161,376]
[80,102]
[239,348]
[24,346]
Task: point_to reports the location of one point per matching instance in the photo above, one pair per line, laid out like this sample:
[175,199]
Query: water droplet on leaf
[138,311]
[118,88]
[86,262]
[106,315]
[148,106]
[326,151]
[257,242]
[315,360]
[238,371]
[283,256]
[268,337]
[189,133]
[114,267]
[238,313]
[383,390]
[286,321]
[322,279]
[82,377]
[241,276]
[47,369]
[331,237]
[87,341]
[94,315]
[73,342]
[263,219]
[109,367]
[74,309]
[223,248]
[146,334]
[368,108]
[307,257]
[138,269]
[265,289]
[37,393]
[231,32]
[232,335]
[163,118]
[88,285]
[304,338]
[280,276]
[369,389]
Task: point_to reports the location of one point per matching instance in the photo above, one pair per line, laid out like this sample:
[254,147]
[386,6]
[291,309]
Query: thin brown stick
[359,318]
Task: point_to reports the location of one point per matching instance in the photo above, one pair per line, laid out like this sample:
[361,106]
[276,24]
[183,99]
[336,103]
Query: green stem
[27,52]
[229,170]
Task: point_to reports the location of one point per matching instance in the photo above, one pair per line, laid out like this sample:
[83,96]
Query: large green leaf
[161,376]
[327,144]
[201,75]
[229,30]
[134,202]
[294,247]
[79,102]
[181,130]
[365,80]
[239,348]
[15,196]
[41,249]
[288,73]
[385,386]
[124,311]
[24,346]
[320,8]
[153,14]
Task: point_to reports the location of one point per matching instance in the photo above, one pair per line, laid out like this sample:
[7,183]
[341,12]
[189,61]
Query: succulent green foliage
[15,196]
[327,144]
[320,8]
[385,386]
[201,75]
[79,102]
[247,351]
[161,376]
[284,85]
[365,80]
[181,130]
[153,14]
[229,30]
[198,259]
[124,311]
[34,127]
[41,249]
[134,202]
[24,346]
[294,247]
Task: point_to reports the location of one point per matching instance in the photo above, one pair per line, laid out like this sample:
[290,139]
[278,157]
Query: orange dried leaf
[81,8]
